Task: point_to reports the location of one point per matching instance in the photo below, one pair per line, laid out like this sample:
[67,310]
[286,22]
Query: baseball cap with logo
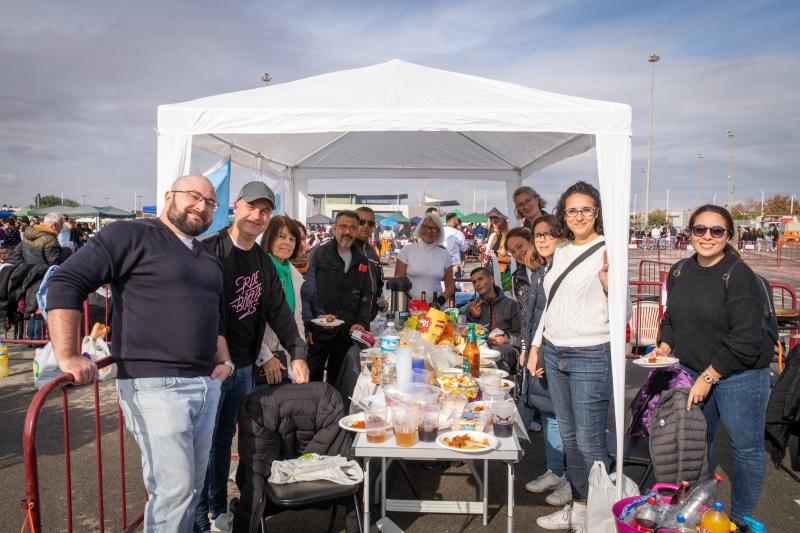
[255,190]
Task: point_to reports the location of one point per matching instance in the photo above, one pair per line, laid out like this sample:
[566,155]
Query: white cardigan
[271,344]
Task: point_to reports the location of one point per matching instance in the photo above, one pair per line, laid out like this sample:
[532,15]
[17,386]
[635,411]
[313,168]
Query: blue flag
[220,177]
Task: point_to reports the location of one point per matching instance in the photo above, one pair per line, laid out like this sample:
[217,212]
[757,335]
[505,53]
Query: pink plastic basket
[617,507]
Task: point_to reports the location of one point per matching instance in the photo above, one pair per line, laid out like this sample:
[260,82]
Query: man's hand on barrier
[300,370]
[83,370]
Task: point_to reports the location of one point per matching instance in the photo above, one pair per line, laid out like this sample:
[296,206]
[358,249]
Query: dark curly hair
[580,187]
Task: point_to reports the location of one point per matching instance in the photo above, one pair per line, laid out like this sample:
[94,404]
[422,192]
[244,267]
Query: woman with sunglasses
[571,346]
[713,325]
[426,263]
[536,393]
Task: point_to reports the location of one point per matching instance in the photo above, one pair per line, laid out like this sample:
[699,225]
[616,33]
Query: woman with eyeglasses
[528,205]
[571,345]
[536,391]
[713,325]
[426,263]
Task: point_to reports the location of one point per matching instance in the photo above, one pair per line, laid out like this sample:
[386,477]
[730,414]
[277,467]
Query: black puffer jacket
[279,423]
[678,439]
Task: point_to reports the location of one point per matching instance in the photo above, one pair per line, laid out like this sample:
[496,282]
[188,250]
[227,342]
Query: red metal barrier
[32,504]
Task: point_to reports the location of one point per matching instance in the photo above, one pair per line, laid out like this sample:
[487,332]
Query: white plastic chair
[644,323]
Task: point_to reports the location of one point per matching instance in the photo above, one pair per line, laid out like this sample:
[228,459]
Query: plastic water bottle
[390,339]
[647,516]
[681,526]
[701,494]
[715,520]
[3,360]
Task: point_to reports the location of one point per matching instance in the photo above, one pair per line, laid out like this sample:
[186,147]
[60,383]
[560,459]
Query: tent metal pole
[569,141]
[321,148]
[479,145]
[245,150]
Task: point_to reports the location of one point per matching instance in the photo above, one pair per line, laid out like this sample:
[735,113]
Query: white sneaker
[545,482]
[572,516]
[223,522]
[561,496]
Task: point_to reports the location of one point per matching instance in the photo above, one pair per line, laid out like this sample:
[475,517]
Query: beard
[181,220]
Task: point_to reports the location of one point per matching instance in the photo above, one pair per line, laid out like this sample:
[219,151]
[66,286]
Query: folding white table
[509,451]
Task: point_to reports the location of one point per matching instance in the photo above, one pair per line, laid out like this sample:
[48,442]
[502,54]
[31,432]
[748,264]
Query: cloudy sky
[81,81]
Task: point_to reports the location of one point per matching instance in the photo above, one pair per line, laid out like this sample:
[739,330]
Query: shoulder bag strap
[578,260]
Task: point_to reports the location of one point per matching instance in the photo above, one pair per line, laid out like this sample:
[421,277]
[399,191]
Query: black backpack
[769,320]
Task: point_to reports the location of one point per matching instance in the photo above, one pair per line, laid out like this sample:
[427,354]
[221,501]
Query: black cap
[255,190]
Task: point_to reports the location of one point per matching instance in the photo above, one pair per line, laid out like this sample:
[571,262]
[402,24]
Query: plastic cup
[404,425]
[490,381]
[452,405]
[503,418]
[420,375]
[428,428]
[375,418]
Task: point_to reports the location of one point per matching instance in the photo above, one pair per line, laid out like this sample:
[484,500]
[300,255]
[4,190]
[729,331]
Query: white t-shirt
[455,243]
[426,264]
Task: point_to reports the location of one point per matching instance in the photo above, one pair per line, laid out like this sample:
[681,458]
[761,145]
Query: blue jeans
[214,496]
[580,385]
[740,402]
[553,446]
[172,420]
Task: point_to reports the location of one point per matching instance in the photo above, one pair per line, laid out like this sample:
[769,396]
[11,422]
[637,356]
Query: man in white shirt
[455,244]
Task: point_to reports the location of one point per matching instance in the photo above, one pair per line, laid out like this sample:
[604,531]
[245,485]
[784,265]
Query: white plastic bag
[99,350]
[602,496]
[45,367]
[312,467]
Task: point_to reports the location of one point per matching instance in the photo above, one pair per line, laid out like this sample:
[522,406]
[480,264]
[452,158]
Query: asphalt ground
[779,505]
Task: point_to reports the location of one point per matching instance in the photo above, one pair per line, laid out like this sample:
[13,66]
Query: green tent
[400,217]
[475,218]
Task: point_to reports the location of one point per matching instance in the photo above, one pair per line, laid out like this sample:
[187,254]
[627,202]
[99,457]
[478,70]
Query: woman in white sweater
[573,340]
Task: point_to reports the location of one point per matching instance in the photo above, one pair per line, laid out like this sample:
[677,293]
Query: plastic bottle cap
[718,477]
[718,506]
[651,500]
[680,519]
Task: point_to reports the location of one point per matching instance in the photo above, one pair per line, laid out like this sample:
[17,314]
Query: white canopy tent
[397,120]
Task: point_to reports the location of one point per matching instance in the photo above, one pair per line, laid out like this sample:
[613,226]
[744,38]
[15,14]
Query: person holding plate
[713,324]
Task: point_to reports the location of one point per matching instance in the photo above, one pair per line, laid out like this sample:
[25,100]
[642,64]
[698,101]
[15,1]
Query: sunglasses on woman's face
[717,232]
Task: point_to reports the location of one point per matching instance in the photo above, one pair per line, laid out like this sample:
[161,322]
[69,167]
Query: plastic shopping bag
[45,367]
[99,350]
[603,495]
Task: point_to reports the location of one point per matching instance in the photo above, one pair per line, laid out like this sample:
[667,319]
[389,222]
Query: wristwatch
[708,378]
[229,365]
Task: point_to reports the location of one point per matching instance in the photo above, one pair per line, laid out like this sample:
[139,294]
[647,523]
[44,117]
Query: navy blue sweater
[166,297]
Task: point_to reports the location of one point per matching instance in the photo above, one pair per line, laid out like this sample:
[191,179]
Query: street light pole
[652,59]
[731,135]
[667,212]
[762,203]
[700,169]
[644,175]
[634,205]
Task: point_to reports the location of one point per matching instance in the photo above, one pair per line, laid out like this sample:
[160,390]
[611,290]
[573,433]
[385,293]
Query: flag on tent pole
[220,177]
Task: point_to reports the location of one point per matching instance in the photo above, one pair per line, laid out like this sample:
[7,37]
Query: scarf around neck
[285,275]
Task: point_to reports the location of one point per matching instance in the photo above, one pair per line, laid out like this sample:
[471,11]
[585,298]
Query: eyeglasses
[717,232]
[526,202]
[572,212]
[363,221]
[430,229]
[546,236]
[197,197]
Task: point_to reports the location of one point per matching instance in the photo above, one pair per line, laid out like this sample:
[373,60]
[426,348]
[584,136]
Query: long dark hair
[725,214]
[533,259]
[580,187]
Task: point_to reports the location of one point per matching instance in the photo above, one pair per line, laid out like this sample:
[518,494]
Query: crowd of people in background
[668,237]
[273,301]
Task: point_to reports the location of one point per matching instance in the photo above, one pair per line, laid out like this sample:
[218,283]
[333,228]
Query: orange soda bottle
[715,520]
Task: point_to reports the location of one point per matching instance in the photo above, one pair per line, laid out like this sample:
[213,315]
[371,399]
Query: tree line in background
[777,204]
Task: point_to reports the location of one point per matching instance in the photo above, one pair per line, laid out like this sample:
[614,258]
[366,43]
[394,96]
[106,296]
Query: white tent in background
[397,120]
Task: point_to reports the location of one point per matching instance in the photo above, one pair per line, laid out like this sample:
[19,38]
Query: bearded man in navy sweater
[168,341]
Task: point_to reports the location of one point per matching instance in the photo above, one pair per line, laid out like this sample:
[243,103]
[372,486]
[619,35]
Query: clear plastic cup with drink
[375,421]
[404,425]
[428,428]
[503,418]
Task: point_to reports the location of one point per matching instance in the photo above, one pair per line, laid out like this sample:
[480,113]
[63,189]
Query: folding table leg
[366,493]
[383,487]
[485,492]
[510,516]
